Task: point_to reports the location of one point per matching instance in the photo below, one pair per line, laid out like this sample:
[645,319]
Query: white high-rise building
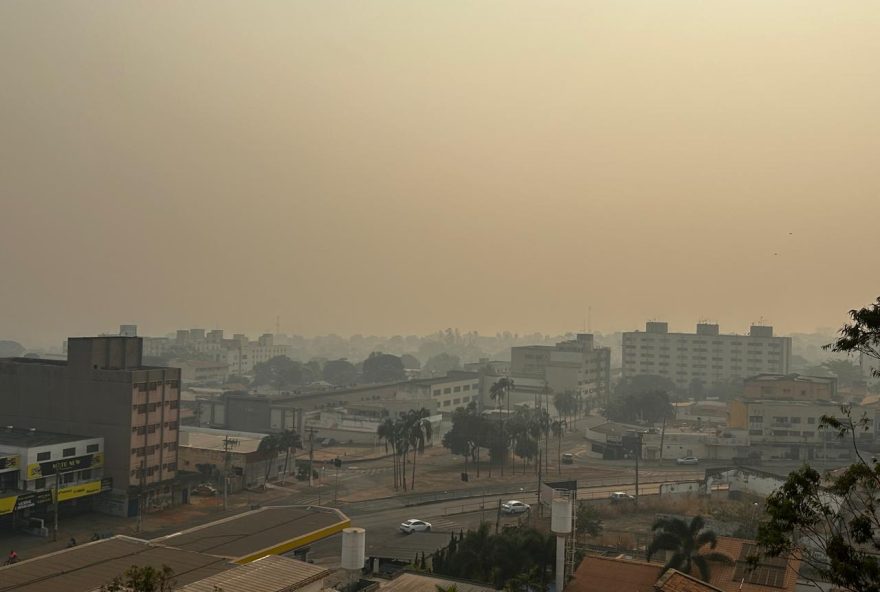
[706,356]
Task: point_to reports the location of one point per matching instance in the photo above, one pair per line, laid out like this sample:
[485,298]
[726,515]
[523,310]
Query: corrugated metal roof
[410,582]
[245,534]
[269,574]
[89,566]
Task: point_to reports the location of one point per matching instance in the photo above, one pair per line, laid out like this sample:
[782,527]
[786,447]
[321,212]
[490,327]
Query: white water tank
[560,518]
[354,542]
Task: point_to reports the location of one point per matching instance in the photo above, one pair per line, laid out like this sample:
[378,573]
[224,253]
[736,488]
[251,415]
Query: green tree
[845,371]
[862,335]
[498,392]
[644,383]
[557,427]
[142,579]
[650,407]
[410,362]
[418,433]
[269,448]
[690,544]
[587,520]
[440,365]
[381,367]
[289,440]
[340,372]
[281,373]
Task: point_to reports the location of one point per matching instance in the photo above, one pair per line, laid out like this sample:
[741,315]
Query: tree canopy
[832,521]
[647,406]
[142,579]
[690,543]
[440,364]
[340,372]
[381,367]
[282,373]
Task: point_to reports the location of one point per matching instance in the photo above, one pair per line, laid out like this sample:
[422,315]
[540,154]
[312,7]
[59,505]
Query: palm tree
[387,431]
[289,439]
[498,392]
[558,428]
[687,542]
[269,446]
[418,432]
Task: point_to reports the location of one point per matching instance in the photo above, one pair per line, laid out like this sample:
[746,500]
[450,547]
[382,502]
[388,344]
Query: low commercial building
[702,412]
[201,371]
[575,365]
[38,467]
[212,452]
[790,387]
[790,429]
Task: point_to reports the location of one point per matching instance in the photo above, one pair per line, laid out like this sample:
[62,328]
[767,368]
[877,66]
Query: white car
[688,460]
[515,507]
[412,525]
[620,496]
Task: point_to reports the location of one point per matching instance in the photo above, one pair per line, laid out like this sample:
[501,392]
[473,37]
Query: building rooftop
[21,437]
[209,439]
[268,574]
[788,377]
[675,581]
[411,582]
[601,574]
[89,566]
[267,531]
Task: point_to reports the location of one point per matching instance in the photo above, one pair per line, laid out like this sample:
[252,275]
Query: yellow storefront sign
[7,504]
[67,465]
[80,490]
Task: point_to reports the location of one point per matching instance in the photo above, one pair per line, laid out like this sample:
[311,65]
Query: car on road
[412,525]
[620,496]
[687,460]
[204,489]
[515,507]
[567,458]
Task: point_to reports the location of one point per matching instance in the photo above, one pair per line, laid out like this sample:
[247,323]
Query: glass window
[92,448]
[68,452]
[44,456]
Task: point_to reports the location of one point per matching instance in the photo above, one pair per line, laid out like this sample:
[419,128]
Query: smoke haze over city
[402,167]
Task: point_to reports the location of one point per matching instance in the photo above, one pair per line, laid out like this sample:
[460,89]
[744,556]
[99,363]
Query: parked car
[412,525]
[620,496]
[204,489]
[514,507]
[688,460]
[567,458]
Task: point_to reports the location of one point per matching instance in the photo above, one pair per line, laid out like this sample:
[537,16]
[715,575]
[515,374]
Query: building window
[68,452]
[44,455]
[457,389]
[67,477]
[811,420]
[85,475]
[92,448]
[436,392]
[467,387]
[40,483]
[447,390]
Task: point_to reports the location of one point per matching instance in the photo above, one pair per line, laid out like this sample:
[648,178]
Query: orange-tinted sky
[399,166]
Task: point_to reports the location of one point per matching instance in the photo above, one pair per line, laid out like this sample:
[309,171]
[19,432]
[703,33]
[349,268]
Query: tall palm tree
[691,545]
[386,431]
[499,391]
[558,428]
[270,445]
[287,440]
[418,433]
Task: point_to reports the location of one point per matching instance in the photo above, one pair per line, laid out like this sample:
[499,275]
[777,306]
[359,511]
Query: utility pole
[312,432]
[55,504]
[143,475]
[638,454]
[337,462]
[540,506]
[227,444]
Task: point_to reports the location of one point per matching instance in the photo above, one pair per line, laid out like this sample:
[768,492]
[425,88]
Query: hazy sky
[402,166]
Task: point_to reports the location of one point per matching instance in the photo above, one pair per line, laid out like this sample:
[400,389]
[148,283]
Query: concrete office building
[36,465]
[790,387]
[706,356]
[575,365]
[104,390]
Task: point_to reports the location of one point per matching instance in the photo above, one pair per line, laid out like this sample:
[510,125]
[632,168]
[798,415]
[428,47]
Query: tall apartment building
[706,355]
[104,390]
[242,355]
[574,365]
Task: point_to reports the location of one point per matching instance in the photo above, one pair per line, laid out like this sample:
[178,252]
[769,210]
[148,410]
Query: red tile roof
[601,574]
